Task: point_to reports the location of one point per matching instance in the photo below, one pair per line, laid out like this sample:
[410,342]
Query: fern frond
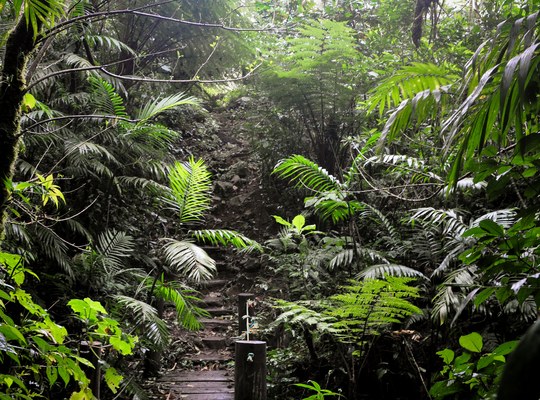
[378,216]
[189,260]
[297,313]
[227,237]
[306,174]
[190,184]
[158,106]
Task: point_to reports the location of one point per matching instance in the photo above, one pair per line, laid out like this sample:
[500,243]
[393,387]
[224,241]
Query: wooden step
[210,356]
[197,376]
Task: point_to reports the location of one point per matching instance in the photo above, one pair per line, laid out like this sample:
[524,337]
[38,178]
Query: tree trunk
[19,45]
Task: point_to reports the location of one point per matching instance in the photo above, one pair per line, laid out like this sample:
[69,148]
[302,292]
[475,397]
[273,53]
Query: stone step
[216,324]
[219,311]
[211,356]
[215,342]
[213,300]
[198,376]
[215,284]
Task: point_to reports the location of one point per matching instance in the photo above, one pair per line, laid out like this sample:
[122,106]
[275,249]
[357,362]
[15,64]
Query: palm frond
[109,42]
[409,82]
[378,216]
[190,184]
[379,271]
[306,174]
[105,98]
[333,205]
[157,106]
[227,237]
[115,247]
[183,301]
[154,328]
[189,260]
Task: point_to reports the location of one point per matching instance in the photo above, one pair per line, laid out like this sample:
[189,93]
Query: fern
[379,271]
[110,42]
[190,184]
[114,247]
[298,313]
[366,307]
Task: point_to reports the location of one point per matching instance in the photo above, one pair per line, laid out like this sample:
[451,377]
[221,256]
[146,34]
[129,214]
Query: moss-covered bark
[19,46]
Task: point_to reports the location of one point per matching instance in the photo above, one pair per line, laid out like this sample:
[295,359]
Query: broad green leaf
[472,342]
[492,227]
[120,345]
[281,221]
[298,222]
[29,102]
[113,379]
[506,348]
[447,355]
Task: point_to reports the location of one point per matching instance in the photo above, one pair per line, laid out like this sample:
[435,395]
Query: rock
[224,187]
[235,179]
[237,201]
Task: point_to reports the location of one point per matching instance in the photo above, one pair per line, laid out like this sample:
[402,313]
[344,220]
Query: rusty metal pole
[250,370]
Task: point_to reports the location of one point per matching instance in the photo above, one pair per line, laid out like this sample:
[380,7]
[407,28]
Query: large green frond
[157,106]
[424,80]
[306,174]
[227,237]
[115,247]
[184,303]
[105,99]
[191,185]
[155,328]
[379,271]
[189,260]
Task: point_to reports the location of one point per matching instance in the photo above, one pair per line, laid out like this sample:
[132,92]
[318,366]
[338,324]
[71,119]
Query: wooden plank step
[197,376]
[213,300]
[208,356]
[207,385]
[200,390]
[214,396]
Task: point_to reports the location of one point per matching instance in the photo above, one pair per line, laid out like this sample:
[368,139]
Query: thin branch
[136,11]
[152,80]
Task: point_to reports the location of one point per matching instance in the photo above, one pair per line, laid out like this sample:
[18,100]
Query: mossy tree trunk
[19,46]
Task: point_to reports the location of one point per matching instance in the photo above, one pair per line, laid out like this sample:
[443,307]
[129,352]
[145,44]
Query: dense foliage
[409,128]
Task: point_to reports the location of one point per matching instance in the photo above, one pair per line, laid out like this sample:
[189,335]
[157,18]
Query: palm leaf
[189,260]
[417,79]
[105,99]
[155,328]
[190,184]
[226,237]
[157,106]
[379,271]
[306,174]
[183,301]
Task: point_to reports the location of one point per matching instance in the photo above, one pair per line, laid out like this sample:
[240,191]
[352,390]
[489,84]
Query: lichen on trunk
[19,46]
